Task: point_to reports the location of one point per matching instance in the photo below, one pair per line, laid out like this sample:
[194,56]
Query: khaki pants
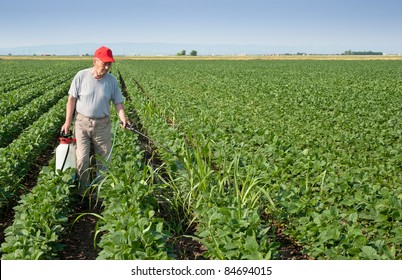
[96,132]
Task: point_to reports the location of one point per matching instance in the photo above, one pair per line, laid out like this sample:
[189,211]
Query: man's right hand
[65,128]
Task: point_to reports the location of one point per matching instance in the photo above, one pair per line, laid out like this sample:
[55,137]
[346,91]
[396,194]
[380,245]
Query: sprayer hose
[65,158]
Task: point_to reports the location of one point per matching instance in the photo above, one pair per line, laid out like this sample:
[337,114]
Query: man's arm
[122,115]
[69,114]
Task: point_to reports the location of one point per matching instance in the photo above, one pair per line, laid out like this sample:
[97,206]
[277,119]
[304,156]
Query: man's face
[101,68]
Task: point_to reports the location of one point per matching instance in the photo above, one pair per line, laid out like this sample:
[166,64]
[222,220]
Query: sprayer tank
[65,154]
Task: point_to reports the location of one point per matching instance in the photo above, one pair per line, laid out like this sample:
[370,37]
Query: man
[90,94]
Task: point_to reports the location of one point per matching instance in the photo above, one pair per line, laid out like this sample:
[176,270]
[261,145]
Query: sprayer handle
[65,135]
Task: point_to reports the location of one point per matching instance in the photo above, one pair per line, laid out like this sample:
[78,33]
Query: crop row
[21,96]
[17,74]
[17,121]
[18,158]
[130,225]
[40,218]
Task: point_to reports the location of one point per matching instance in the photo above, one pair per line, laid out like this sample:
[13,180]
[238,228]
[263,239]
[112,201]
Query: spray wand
[131,127]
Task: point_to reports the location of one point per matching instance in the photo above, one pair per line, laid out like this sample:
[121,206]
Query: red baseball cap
[104,54]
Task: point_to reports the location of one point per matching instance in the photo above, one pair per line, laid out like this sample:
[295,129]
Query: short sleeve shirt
[94,96]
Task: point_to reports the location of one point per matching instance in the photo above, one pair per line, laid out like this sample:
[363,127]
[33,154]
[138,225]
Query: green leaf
[369,253]
[251,244]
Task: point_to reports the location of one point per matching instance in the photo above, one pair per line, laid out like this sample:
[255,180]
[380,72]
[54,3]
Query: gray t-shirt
[94,96]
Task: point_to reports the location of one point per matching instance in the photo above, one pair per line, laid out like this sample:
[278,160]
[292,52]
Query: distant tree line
[183,52]
[349,52]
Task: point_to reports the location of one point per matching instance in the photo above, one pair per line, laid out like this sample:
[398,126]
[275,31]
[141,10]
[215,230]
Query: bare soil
[79,239]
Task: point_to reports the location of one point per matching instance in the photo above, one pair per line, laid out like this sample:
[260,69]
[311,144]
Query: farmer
[90,94]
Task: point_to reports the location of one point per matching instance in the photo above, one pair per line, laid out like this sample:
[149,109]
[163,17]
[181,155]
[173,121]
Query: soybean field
[229,154]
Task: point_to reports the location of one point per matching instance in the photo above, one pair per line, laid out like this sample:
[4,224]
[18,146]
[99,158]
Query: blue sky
[353,24]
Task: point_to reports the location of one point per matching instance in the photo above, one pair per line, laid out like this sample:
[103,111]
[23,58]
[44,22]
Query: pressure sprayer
[65,152]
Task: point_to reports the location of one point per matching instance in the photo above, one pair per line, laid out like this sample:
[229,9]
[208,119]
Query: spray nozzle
[129,126]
